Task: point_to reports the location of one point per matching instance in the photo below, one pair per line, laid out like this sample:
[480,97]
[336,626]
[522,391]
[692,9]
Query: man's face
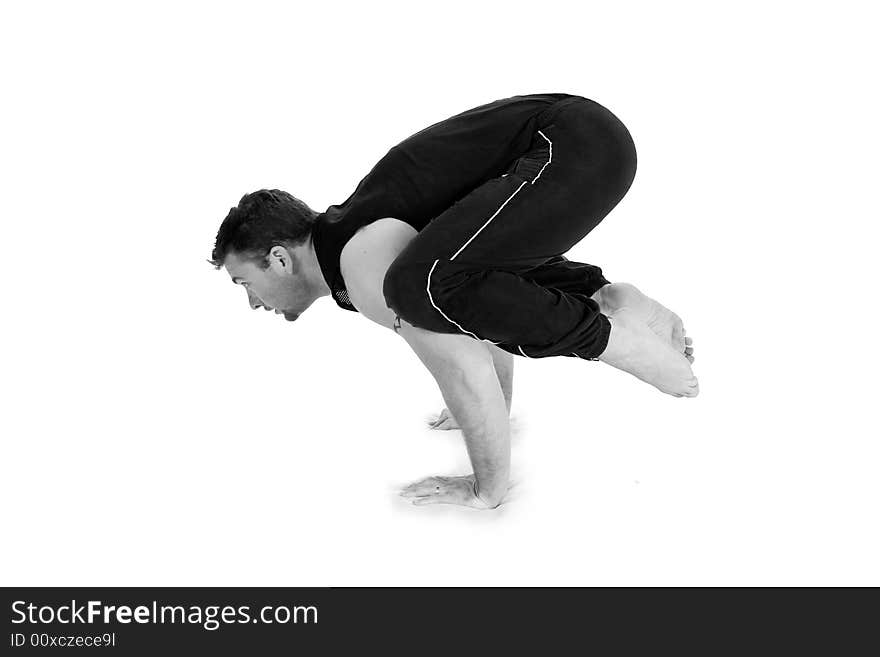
[281,287]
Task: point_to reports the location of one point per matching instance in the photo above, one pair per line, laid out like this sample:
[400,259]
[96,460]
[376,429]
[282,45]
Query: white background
[155,431]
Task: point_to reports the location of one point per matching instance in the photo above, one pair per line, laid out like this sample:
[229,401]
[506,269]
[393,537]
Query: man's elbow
[456,358]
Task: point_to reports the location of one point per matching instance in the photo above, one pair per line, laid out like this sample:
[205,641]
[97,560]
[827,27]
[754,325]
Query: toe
[678,337]
[691,389]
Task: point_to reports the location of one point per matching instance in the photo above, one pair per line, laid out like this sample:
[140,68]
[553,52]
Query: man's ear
[281,260]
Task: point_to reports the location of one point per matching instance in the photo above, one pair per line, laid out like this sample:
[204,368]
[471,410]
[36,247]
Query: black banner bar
[134,621]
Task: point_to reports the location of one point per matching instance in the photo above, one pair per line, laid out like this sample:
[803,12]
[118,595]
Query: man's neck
[313,269]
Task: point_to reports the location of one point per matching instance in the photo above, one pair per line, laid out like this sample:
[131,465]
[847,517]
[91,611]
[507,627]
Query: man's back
[428,172]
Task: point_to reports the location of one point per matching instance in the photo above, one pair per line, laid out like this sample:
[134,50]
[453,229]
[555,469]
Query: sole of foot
[636,349]
[662,321]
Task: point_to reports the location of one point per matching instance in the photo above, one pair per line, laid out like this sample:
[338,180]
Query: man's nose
[254,301]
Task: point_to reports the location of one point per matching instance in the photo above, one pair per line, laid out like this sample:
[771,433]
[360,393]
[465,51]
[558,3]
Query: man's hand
[444,421]
[446,490]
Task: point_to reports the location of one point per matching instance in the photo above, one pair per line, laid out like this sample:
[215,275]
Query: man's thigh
[575,171]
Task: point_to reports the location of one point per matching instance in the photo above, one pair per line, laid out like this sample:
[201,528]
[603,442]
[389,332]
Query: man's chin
[290,317]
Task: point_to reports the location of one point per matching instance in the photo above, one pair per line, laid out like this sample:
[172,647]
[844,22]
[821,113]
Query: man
[454,240]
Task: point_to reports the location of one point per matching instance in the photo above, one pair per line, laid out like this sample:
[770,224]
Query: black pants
[491,266]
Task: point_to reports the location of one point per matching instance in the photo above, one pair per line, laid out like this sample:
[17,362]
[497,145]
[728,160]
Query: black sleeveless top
[427,173]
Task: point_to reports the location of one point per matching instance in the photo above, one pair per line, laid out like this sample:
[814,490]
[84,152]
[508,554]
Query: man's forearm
[464,371]
[475,399]
[470,384]
[503,363]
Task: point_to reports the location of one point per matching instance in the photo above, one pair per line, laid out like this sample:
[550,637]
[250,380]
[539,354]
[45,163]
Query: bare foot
[636,349]
[662,321]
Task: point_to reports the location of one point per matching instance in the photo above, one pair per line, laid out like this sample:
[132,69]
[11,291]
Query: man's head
[265,245]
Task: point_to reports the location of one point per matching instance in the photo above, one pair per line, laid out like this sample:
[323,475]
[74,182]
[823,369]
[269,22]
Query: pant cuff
[596,283]
[601,342]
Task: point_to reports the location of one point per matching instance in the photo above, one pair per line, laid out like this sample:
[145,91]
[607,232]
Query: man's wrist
[490,501]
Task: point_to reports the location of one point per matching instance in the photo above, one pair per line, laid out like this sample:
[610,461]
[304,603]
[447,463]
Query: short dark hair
[261,220]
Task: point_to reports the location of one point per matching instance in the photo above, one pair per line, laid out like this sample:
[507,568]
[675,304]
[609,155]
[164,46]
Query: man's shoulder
[375,244]
[365,259]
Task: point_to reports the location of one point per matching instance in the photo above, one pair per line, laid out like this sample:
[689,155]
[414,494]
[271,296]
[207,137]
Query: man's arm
[466,376]
[364,262]
[503,362]
[462,367]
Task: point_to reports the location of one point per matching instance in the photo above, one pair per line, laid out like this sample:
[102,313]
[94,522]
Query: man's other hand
[444,421]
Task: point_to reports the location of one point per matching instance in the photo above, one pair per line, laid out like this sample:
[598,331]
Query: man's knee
[404,289]
[422,292]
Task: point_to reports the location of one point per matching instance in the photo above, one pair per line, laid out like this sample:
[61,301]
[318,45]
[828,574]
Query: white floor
[282,469]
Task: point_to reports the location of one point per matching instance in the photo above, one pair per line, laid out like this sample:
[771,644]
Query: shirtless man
[454,240]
